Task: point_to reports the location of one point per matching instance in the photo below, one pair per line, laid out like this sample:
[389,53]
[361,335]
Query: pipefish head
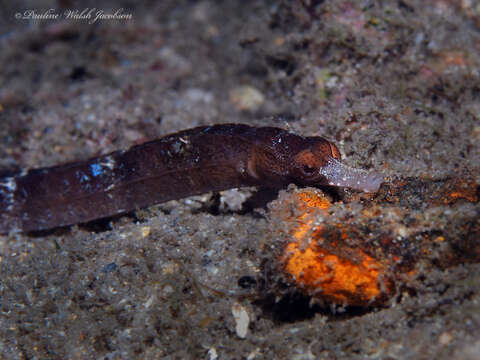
[318,163]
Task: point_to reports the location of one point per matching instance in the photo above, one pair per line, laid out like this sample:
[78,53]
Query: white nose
[338,174]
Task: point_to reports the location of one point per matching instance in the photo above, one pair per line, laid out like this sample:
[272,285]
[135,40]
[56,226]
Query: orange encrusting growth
[353,279]
[466,190]
[333,278]
[309,201]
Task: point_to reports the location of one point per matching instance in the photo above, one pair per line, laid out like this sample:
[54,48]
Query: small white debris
[145,231]
[445,338]
[253,354]
[212,354]
[233,199]
[246,98]
[149,302]
[241,320]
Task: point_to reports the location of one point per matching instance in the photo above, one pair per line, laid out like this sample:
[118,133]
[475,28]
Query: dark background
[395,84]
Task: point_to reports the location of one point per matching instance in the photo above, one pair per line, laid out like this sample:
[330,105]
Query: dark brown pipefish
[190,162]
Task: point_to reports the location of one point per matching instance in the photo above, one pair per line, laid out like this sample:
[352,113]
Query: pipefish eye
[309,170]
[306,166]
[316,155]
